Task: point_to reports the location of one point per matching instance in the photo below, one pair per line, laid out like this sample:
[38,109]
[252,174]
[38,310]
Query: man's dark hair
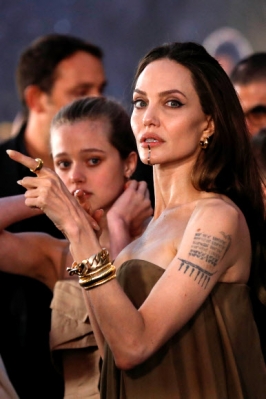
[250,69]
[38,62]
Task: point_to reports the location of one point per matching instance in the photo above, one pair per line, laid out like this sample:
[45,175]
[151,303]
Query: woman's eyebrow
[163,93]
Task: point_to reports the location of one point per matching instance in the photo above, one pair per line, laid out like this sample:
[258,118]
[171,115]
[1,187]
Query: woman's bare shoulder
[218,208]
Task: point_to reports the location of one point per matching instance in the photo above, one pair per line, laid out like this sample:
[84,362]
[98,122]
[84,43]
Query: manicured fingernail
[19,182]
[95,226]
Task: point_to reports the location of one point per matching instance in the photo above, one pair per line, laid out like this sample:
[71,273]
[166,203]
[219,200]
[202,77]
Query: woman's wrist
[94,271]
[83,240]
[74,223]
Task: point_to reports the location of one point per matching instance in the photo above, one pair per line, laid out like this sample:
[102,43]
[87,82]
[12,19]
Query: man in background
[53,71]
[249,80]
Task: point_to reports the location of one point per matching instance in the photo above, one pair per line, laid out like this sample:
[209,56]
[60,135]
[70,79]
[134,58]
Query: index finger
[131,183]
[142,186]
[23,159]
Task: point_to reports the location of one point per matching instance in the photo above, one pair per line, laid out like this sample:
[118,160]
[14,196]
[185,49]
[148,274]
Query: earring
[204,143]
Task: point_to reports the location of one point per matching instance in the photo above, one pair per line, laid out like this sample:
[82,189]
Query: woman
[181,325]
[94,153]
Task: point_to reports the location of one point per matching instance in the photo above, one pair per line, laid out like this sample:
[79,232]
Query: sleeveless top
[216,355]
[73,347]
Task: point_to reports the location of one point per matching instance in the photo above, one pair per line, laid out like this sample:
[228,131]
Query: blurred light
[62,26]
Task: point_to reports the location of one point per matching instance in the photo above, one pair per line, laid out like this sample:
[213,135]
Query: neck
[37,140]
[173,187]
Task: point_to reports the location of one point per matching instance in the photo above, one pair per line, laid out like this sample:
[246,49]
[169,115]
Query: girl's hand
[133,207]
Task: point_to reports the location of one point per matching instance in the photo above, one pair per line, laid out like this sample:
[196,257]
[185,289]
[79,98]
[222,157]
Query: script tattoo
[209,248]
[199,274]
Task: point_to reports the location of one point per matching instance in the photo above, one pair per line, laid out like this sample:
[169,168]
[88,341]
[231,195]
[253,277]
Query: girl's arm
[35,255]
[13,209]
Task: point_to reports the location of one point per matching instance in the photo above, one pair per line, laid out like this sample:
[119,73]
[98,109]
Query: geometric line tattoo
[203,276]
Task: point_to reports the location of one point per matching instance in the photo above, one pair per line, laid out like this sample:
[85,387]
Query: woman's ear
[209,131]
[130,164]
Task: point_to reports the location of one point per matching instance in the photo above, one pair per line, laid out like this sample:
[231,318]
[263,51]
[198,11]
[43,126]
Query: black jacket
[24,302]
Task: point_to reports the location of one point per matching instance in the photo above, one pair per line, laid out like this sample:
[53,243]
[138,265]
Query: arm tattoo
[209,248]
[199,274]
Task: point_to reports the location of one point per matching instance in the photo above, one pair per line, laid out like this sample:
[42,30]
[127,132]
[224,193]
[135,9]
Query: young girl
[177,322]
[94,153]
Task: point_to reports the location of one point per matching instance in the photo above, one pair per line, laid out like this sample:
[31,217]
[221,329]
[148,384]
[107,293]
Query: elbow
[125,363]
[130,358]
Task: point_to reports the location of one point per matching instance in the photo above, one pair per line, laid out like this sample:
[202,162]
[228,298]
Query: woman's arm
[127,218]
[135,334]
[95,326]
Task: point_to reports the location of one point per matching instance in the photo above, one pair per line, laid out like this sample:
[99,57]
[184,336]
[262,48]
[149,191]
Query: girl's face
[167,115]
[84,159]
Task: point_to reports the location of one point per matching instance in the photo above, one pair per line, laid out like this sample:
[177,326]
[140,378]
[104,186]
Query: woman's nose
[150,117]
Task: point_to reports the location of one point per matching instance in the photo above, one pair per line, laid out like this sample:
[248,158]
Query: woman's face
[167,114]
[84,159]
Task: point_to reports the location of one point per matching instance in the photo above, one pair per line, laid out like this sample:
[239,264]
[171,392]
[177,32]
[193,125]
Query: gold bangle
[90,278]
[96,283]
[97,274]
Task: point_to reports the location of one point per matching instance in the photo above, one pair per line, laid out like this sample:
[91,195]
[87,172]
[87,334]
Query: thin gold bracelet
[87,285]
[98,274]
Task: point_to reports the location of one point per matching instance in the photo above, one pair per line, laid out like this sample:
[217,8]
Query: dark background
[124,29]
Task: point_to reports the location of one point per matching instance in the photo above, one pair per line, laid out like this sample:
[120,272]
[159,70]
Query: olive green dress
[217,355]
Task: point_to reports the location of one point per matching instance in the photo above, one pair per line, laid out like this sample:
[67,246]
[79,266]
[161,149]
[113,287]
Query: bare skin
[199,238]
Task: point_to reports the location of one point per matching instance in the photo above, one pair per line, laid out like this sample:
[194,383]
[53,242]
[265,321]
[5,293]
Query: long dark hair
[227,166]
